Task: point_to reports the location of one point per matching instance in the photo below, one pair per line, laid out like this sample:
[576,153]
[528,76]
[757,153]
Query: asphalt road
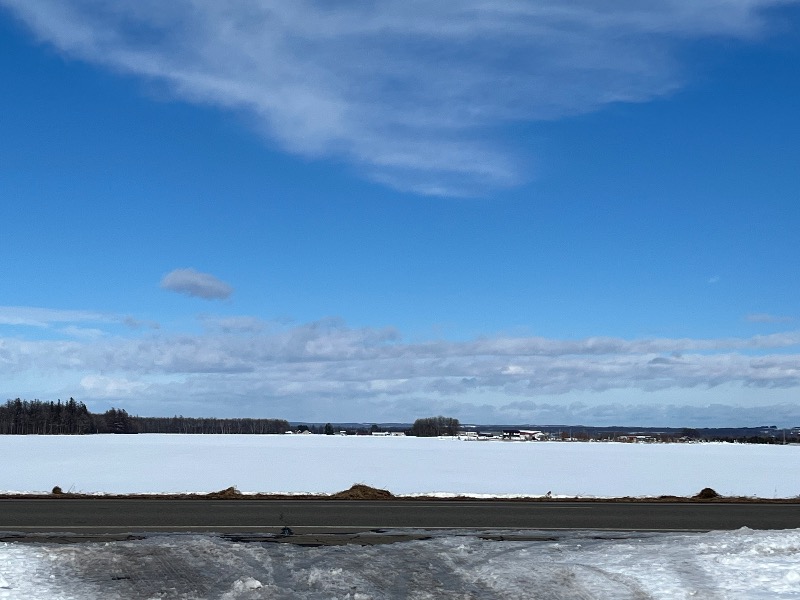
[97,516]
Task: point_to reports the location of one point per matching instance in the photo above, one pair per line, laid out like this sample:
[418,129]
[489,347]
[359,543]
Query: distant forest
[435,426]
[27,417]
[35,417]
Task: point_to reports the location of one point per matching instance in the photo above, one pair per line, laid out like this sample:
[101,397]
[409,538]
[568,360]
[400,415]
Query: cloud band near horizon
[327,364]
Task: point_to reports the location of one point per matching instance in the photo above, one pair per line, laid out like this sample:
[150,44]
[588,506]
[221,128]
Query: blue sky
[538,212]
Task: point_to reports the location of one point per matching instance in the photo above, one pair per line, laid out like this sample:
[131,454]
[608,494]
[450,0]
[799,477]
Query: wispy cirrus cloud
[31,316]
[69,322]
[191,282]
[413,94]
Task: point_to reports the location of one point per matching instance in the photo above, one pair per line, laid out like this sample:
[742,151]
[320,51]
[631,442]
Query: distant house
[525,435]
[637,439]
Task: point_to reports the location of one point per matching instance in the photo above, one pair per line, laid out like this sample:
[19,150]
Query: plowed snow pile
[738,565]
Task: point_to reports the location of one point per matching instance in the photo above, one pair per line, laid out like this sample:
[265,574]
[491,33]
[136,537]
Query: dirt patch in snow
[359,491]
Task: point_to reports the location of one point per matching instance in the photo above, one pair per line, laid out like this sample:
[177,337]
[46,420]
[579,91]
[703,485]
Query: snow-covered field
[738,565]
[326,464]
[733,565]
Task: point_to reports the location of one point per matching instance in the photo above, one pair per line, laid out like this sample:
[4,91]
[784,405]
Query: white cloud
[767,318]
[327,366]
[109,387]
[86,333]
[30,316]
[194,283]
[665,415]
[138,324]
[239,324]
[415,94]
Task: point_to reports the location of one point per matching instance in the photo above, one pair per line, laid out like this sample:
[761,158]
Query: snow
[741,564]
[736,565]
[403,465]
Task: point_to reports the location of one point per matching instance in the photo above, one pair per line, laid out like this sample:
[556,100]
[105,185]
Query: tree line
[435,426]
[426,427]
[180,424]
[35,417]
[25,417]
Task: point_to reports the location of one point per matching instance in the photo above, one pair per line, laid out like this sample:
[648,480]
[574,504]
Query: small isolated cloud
[194,283]
[713,279]
[768,318]
[134,323]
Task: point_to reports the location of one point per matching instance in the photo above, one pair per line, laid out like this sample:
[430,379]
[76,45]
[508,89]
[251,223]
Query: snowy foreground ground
[741,564]
[326,464]
[737,565]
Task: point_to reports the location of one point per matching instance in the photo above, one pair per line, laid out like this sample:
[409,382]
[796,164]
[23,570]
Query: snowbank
[737,565]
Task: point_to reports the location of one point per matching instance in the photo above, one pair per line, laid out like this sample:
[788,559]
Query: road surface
[97,516]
